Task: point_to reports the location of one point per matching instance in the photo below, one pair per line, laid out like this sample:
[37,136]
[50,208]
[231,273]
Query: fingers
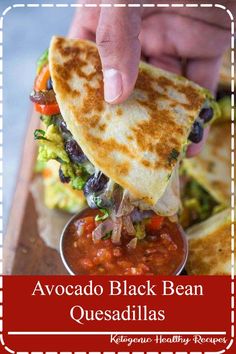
[85,22]
[195,149]
[119,47]
[180,36]
[167,62]
[117,31]
[204,72]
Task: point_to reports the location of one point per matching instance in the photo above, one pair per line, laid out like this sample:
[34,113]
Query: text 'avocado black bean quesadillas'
[123,156]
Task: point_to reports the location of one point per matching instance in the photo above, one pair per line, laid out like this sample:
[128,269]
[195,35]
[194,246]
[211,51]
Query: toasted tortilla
[137,143]
[212,167]
[210,246]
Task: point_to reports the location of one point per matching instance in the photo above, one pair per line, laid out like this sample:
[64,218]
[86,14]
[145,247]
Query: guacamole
[52,147]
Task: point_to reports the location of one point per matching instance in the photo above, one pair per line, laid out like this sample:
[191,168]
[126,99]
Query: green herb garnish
[104,216]
[106,213]
[39,134]
[107,236]
[173,156]
[98,201]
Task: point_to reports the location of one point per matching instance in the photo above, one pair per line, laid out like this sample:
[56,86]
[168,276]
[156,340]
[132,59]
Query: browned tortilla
[136,143]
[210,246]
[212,167]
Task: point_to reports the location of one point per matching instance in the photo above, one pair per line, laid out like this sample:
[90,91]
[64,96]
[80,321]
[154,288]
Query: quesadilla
[127,142]
[127,154]
[210,246]
[206,178]
[212,167]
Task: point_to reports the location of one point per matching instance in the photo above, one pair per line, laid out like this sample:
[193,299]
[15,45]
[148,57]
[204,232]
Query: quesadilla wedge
[125,155]
[127,142]
[212,167]
[210,246]
[206,177]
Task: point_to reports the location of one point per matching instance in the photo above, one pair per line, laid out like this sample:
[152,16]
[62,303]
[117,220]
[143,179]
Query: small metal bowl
[83,213]
[179,270]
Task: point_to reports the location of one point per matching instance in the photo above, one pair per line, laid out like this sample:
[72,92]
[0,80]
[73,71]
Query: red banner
[65,313]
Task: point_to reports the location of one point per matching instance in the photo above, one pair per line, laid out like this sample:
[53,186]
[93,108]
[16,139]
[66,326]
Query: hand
[163,36]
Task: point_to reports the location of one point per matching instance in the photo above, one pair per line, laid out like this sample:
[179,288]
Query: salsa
[161,252]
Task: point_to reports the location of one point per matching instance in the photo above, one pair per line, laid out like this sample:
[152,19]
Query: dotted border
[175,5]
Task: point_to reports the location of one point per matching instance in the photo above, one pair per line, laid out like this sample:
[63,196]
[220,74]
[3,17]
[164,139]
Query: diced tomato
[90,227]
[41,85]
[86,226]
[47,109]
[42,78]
[88,219]
[155,223]
[87,263]
[160,252]
[89,224]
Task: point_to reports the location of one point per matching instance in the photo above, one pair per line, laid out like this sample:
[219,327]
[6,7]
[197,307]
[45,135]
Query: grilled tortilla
[137,143]
[210,246]
[211,168]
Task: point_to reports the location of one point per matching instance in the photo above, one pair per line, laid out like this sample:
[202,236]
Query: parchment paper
[50,221]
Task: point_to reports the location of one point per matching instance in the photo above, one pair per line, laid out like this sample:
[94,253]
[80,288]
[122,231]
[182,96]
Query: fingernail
[112,84]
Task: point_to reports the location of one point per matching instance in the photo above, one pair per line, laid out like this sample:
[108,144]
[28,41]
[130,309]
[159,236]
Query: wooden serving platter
[24,252]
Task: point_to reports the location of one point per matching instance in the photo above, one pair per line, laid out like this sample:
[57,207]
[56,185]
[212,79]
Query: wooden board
[24,252]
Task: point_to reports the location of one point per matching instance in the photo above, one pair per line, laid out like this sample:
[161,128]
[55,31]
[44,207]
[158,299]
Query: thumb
[119,48]
[204,71]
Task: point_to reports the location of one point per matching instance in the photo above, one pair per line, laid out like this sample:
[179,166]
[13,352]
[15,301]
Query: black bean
[49,84]
[196,134]
[95,184]
[63,126]
[66,134]
[206,114]
[74,151]
[63,178]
